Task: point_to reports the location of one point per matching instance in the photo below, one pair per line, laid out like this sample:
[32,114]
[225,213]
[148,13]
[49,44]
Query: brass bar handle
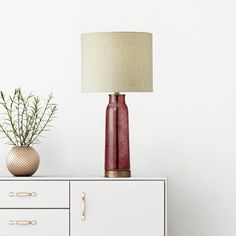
[22,194]
[83,205]
[22,222]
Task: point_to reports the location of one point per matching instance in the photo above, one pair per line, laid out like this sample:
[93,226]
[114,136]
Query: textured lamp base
[117,160]
[117,173]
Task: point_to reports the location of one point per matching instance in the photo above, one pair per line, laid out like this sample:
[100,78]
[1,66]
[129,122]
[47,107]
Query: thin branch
[9,113]
[7,135]
[45,125]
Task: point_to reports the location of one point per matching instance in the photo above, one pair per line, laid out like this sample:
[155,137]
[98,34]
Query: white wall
[185,130]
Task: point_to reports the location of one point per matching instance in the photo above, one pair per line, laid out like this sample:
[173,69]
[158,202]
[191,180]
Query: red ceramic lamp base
[117,158]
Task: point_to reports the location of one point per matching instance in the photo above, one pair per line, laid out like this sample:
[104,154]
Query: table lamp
[116,62]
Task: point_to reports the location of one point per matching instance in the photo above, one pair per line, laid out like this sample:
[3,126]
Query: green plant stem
[25,103]
[42,129]
[18,118]
[9,112]
[36,125]
[8,136]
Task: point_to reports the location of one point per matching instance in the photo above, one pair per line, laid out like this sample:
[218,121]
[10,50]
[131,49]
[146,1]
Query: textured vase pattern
[22,161]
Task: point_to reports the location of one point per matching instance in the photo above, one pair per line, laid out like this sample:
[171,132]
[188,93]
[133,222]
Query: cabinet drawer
[34,222]
[34,194]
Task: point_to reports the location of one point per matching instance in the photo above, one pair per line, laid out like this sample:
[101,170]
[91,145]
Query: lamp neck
[117,98]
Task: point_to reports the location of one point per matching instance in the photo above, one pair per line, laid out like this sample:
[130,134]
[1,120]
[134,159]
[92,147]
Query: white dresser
[73,206]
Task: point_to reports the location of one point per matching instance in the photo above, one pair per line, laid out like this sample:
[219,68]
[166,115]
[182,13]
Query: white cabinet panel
[34,222]
[134,208]
[34,194]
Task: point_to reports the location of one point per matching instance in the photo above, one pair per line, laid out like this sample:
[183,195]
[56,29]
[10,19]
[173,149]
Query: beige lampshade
[117,62]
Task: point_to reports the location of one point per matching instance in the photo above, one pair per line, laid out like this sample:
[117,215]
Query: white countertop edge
[94,178]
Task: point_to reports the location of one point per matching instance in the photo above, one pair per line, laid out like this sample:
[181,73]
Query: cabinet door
[105,208]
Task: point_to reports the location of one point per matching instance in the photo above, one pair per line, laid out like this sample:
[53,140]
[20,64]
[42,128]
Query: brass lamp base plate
[117,173]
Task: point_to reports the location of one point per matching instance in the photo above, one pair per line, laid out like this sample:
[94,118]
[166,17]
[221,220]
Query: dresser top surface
[85,178]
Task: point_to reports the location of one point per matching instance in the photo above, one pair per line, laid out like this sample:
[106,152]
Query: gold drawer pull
[22,194]
[83,197]
[22,222]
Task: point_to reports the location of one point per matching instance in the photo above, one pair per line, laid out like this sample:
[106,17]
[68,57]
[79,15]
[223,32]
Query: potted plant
[22,121]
